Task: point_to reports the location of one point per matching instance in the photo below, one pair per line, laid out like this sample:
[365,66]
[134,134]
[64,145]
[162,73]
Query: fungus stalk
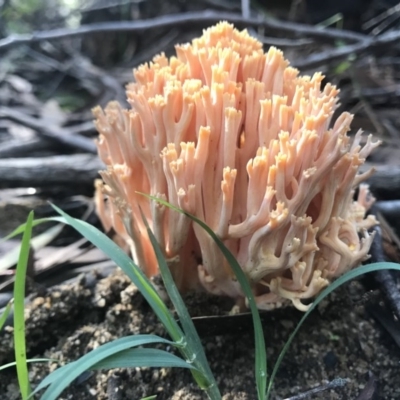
[238,138]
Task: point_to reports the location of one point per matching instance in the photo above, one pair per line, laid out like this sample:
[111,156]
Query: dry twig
[72,169]
[335,383]
[49,131]
[201,17]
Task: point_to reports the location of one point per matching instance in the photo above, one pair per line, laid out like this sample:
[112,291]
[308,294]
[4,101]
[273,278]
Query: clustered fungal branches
[236,137]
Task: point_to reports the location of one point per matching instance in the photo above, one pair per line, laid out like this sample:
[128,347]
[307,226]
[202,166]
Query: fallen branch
[49,131]
[22,148]
[385,277]
[385,182]
[336,383]
[167,21]
[74,169]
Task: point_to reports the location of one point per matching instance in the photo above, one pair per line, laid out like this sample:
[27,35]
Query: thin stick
[385,277]
[203,17]
[52,132]
[338,382]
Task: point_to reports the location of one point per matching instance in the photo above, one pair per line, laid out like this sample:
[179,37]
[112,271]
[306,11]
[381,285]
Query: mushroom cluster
[238,138]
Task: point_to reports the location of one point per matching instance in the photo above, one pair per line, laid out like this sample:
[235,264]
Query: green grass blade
[22,227]
[133,358]
[129,267]
[38,242]
[122,260]
[31,360]
[19,311]
[62,377]
[333,286]
[194,351]
[6,313]
[134,273]
[260,351]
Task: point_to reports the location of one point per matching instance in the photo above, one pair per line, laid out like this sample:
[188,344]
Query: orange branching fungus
[238,138]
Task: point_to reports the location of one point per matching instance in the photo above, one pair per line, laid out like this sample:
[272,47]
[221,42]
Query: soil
[339,340]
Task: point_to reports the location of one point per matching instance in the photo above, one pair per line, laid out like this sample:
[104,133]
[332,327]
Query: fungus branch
[238,138]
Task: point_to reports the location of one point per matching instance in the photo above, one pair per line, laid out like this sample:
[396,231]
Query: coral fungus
[238,138]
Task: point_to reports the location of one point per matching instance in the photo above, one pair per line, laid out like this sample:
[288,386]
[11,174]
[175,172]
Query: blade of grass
[260,351]
[195,349]
[202,374]
[122,260]
[21,229]
[365,269]
[38,242]
[31,360]
[6,313]
[129,267]
[19,311]
[62,377]
[133,271]
[133,358]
